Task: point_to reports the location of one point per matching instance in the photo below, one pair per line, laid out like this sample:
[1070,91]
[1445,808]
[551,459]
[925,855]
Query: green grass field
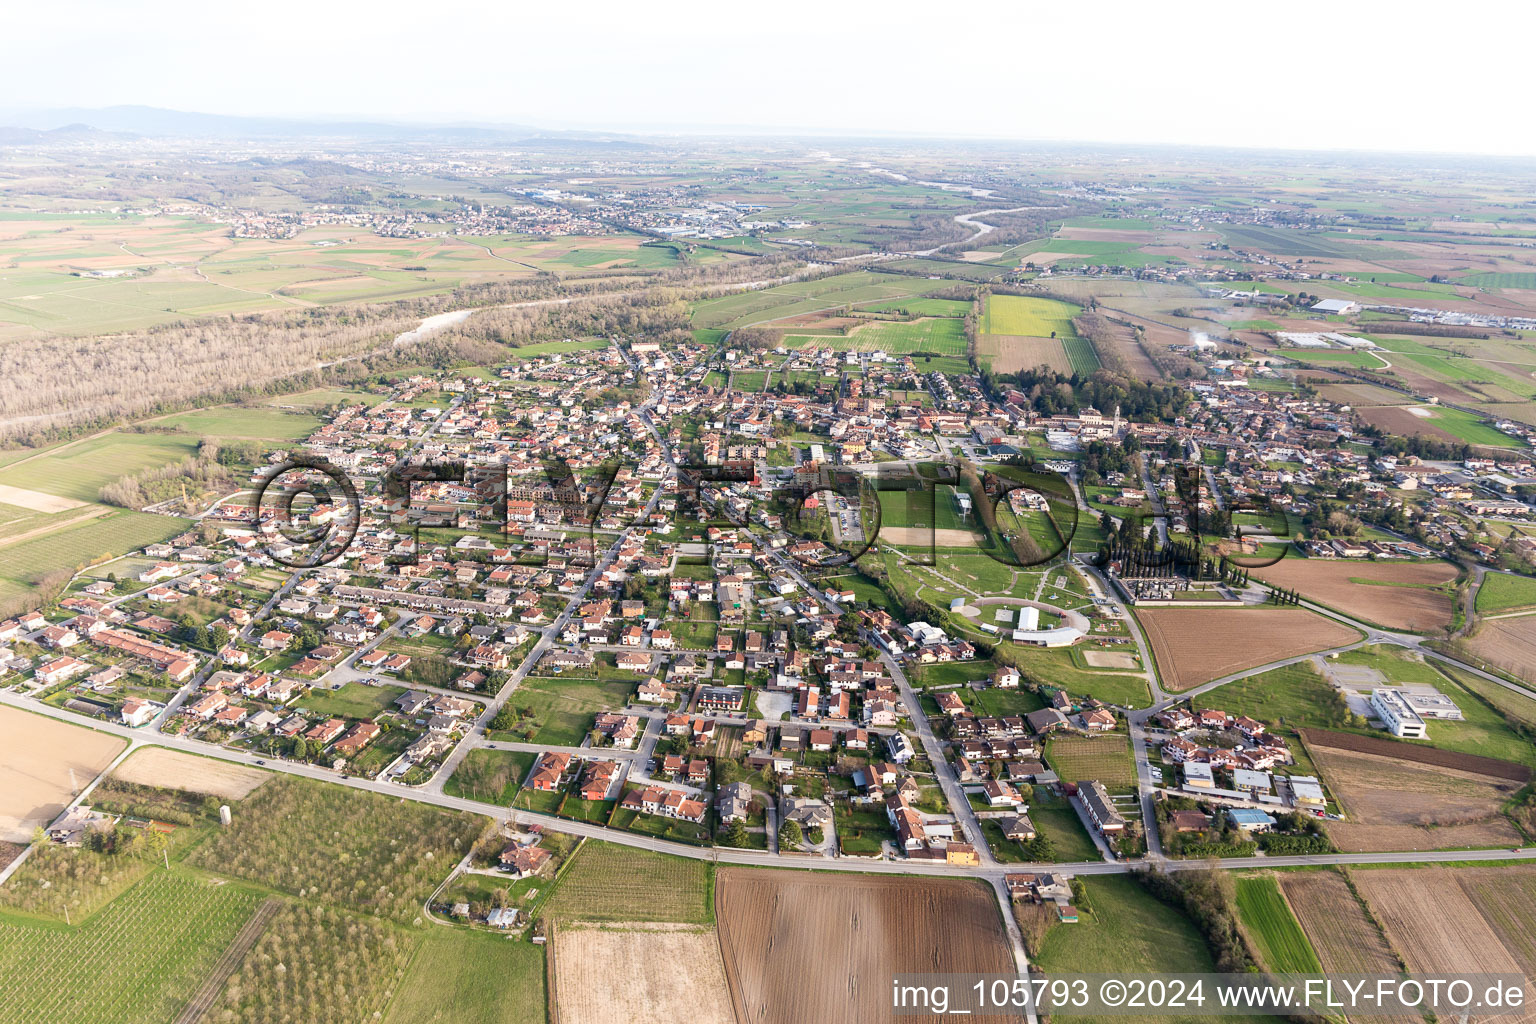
[1491,280]
[80,470]
[137,961]
[1124,930]
[1469,428]
[615,883]
[562,709]
[824,293]
[548,348]
[921,307]
[1057,821]
[1081,355]
[490,775]
[1028,315]
[261,423]
[1501,592]
[1296,695]
[1283,946]
[353,700]
[471,978]
[895,337]
[75,544]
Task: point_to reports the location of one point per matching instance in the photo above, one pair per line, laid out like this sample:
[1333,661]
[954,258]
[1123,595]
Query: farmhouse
[522,861]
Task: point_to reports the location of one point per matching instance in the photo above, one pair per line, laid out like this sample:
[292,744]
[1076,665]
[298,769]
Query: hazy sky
[1296,75]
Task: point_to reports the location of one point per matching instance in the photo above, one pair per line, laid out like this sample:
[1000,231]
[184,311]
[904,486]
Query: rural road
[748,858]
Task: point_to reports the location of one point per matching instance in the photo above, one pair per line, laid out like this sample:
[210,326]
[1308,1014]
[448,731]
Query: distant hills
[76,124]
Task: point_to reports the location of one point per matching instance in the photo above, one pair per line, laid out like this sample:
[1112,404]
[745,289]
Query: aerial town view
[741,552]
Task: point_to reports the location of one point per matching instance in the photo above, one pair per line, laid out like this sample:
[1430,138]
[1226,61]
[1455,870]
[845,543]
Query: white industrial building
[1395,712]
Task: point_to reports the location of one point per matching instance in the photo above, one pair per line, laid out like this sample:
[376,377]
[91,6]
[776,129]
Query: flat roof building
[1399,718]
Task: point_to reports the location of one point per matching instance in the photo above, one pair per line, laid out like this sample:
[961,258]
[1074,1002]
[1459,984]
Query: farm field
[78,541]
[616,883]
[220,275]
[1028,315]
[1195,645]
[172,769]
[1282,945]
[461,977]
[38,756]
[80,469]
[1434,925]
[921,307]
[363,957]
[1416,596]
[1440,422]
[363,851]
[1019,332]
[1505,644]
[669,974]
[1507,901]
[135,962]
[1082,758]
[799,947]
[761,306]
[895,337]
[1123,929]
[1392,804]
[1013,353]
[1345,938]
[1502,592]
[258,422]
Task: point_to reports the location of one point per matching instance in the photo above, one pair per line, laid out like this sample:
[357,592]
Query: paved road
[752,858]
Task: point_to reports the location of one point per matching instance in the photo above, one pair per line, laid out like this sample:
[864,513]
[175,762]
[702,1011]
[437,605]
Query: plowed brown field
[1507,644]
[1197,645]
[801,947]
[1330,582]
[1346,940]
[1431,921]
[1395,804]
[640,974]
[1010,353]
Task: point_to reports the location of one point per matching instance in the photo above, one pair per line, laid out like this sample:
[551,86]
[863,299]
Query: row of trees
[94,382]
